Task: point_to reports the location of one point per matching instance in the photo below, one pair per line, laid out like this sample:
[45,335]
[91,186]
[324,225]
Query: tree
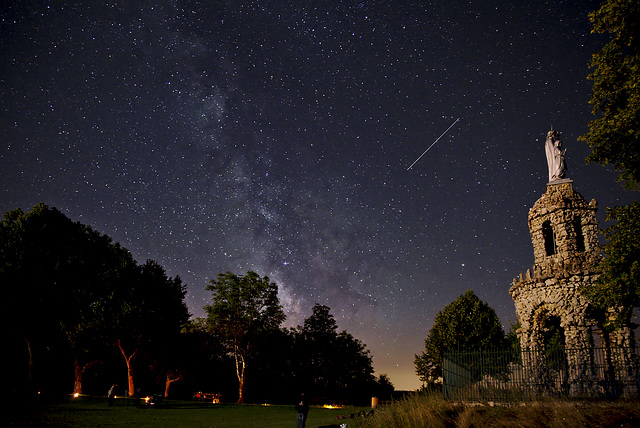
[242,309]
[335,365]
[207,360]
[385,388]
[467,323]
[321,325]
[619,284]
[274,368]
[354,377]
[428,372]
[103,266]
[81,291]
[317,346]
[59,268]
[614,136]
[147,308]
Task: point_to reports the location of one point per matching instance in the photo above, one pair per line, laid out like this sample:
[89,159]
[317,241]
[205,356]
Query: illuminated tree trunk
[129,361]
[241,366]
[78,374]
[168,383]
[77,378]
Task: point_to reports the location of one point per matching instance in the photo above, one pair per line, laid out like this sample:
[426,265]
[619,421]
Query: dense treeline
[80,314]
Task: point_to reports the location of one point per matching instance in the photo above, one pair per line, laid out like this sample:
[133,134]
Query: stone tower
[564,233]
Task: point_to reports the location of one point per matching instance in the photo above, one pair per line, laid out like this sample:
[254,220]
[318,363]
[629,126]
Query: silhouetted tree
[209,367]
[59,268]
[335,366]
[148,307]
[385,388]
[78,289]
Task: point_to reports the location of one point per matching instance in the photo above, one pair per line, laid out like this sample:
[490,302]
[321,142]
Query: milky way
[276,136]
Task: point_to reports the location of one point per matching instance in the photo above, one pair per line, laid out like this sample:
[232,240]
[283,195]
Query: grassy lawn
[415,411]
[88,412]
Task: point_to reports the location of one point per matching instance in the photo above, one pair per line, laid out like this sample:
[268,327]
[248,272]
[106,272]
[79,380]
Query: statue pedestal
[560,181]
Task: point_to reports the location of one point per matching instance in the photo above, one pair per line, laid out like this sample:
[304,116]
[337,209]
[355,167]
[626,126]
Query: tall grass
[430,410]
[415,410]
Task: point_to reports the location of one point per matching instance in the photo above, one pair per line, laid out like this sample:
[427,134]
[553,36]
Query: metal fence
[515,375]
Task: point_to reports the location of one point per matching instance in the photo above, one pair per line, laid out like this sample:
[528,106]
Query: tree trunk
[129,361]
[240,372]
[79,373]
[168,383]
[29,388]
[77,378]
[30,362]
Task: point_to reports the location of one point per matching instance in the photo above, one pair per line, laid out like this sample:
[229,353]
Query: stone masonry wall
[551,287]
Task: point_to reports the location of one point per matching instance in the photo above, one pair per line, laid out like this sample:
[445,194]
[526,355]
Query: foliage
[385,388]
[333,365]
[619,285]
[209,368]
[354,376]
[91,304]
[512,341]
[145,312]
[242,309]
[321,325]
[330,366]
[429,373]
[55,270]
[614,136]
[467,323]
[80,291]
[316,345]
[274,368]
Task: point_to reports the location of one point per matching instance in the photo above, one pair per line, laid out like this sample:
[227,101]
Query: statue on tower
[555,156]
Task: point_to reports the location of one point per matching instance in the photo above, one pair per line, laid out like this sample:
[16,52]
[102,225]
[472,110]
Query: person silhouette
[302,407]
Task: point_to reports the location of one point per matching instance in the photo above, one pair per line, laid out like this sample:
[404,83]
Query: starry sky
[276,136]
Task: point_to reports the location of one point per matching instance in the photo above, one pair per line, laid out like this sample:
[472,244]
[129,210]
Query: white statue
[555,156]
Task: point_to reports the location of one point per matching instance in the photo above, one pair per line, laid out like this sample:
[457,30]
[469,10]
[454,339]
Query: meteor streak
[433,144]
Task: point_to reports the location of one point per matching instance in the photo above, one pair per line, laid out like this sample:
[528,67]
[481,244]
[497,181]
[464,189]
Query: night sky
[276,136]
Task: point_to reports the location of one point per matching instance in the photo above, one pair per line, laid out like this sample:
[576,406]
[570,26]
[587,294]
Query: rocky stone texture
[564,233]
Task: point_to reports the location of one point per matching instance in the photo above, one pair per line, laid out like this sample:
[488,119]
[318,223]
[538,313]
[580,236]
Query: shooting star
[433,144]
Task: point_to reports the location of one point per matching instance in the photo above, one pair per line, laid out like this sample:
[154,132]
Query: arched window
[549,239]
[577,227]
